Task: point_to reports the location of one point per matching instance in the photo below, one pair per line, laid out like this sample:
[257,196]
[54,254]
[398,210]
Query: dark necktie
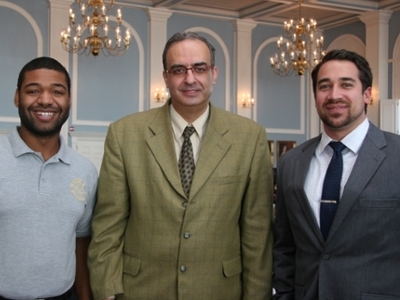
[186,160]
[331,188]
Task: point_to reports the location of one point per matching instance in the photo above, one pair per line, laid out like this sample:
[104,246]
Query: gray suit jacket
[361,256]
[151,242]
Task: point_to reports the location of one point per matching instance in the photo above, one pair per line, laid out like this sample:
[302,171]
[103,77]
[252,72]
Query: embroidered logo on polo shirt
[78,189]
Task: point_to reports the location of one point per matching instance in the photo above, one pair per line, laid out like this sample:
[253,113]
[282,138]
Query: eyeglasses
[182,70]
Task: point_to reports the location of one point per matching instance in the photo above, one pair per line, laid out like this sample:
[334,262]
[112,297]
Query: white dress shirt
[179,125]
[321,159]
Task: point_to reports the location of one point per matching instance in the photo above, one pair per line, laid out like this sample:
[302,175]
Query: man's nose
[335,92]
[45,98]
[189,76]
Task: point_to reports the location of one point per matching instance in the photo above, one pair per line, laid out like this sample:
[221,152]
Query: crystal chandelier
[91,35]
[304,51]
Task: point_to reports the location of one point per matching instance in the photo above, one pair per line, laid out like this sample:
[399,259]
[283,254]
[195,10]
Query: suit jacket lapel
[301,170]
[213,149]
[368,161]
[161,144]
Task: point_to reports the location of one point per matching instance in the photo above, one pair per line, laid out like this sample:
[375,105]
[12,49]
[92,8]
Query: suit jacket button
[326,257]
[186,235]
[184,204]
[183,269]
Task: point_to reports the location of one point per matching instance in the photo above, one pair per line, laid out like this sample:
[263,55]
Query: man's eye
[32,91]
[200,70]
[178,71]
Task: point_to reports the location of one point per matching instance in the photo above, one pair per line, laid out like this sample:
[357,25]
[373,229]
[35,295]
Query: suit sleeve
[256,225]
[109,222]
[284,245]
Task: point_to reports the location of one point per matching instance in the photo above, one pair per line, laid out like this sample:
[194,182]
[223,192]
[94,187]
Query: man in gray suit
[359,258]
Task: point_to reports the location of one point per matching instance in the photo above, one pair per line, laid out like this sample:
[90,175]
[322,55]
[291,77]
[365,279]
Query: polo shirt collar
[19,147]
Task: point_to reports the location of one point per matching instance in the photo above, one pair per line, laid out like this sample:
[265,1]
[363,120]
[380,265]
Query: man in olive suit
[155,237]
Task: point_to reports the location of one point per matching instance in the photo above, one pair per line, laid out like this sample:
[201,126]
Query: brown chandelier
[91,35]
[303,52]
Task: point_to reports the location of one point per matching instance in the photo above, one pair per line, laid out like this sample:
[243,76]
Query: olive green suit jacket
[151,242]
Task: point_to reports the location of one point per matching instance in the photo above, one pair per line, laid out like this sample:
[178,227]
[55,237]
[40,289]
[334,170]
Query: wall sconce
[247,101]
[161,95]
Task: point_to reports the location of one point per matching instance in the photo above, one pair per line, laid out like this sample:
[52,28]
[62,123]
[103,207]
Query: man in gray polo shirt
[47,193]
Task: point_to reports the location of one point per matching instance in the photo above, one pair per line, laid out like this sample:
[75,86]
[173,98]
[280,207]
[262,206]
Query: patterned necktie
[186,160]
[331,188]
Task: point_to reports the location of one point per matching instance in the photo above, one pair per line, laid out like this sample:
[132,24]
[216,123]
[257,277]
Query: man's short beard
[32,128]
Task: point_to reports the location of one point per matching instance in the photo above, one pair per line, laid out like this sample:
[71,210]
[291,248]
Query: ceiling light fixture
[91,35]
[304,50]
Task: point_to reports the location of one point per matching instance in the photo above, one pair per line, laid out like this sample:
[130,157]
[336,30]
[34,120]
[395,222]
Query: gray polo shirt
[44,207]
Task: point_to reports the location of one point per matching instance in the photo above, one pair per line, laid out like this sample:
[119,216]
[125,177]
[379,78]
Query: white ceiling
[328,13]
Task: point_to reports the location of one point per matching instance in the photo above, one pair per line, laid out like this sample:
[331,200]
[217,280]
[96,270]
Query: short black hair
[364,70]
[43,62]
[180,36]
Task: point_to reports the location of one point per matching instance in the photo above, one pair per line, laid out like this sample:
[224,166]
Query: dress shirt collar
[352,141]
[179,124]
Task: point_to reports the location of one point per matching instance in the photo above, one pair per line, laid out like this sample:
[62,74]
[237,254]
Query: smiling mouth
[45,113]
[336,105]
[190,92]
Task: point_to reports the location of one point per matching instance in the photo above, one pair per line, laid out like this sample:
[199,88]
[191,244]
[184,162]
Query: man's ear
[165,76]
[368,95]
[16,98]
[215,75]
